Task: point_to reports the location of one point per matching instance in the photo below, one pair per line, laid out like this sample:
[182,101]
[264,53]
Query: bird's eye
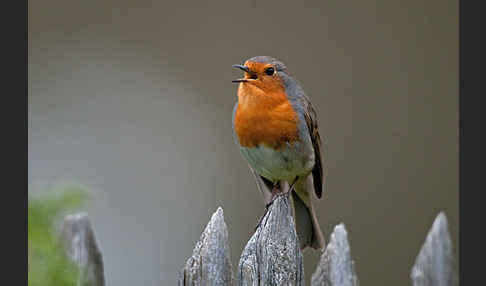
[270,71]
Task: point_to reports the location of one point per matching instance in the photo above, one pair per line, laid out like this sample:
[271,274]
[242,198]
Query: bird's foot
[267,207]
[276,191]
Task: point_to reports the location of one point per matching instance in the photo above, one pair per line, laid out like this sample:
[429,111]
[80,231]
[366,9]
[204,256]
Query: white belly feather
[284,164]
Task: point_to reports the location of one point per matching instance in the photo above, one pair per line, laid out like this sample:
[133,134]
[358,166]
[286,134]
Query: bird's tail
[306,224]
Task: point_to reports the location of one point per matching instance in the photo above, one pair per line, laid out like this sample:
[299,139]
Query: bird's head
[262,72]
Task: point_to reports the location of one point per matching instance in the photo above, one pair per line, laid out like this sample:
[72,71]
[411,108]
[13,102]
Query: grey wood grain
[210,262]
[336,268]
[272,256]
[434,265]
[78,239]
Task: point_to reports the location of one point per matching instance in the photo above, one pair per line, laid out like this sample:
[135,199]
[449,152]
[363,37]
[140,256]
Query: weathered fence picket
[273,256]
[210,262]
[336,268]
[434,265]
[79,242]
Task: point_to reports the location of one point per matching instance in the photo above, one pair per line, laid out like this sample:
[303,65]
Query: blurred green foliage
[47,261]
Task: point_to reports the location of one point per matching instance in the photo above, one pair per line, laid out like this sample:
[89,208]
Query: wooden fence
[271,257]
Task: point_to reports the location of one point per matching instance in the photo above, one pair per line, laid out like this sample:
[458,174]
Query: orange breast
[264,118]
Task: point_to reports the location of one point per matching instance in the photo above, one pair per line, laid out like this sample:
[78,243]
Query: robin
[275,127]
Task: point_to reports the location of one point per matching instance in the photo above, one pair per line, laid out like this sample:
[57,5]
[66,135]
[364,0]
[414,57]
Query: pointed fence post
[434,265]
[210,262]
[336,268]
[78,239]
[272,255]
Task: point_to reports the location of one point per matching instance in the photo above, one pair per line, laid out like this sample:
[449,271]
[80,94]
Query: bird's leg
[291,188]
[275,191]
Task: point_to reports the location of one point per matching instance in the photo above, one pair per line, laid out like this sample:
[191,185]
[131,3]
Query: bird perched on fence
[275,127]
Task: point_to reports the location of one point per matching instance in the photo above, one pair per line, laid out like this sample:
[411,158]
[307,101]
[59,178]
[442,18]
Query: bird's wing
[311,120]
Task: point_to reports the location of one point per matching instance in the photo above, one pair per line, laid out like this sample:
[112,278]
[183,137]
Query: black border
[23,73]
[471,142]
[13,117]
[22,192]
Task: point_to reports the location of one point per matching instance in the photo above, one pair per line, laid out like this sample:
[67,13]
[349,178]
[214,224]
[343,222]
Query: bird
[275,127]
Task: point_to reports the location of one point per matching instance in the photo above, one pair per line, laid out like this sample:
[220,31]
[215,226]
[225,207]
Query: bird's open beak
[243,68]
[240,80]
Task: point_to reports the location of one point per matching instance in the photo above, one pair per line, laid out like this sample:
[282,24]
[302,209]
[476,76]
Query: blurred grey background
[134,100]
